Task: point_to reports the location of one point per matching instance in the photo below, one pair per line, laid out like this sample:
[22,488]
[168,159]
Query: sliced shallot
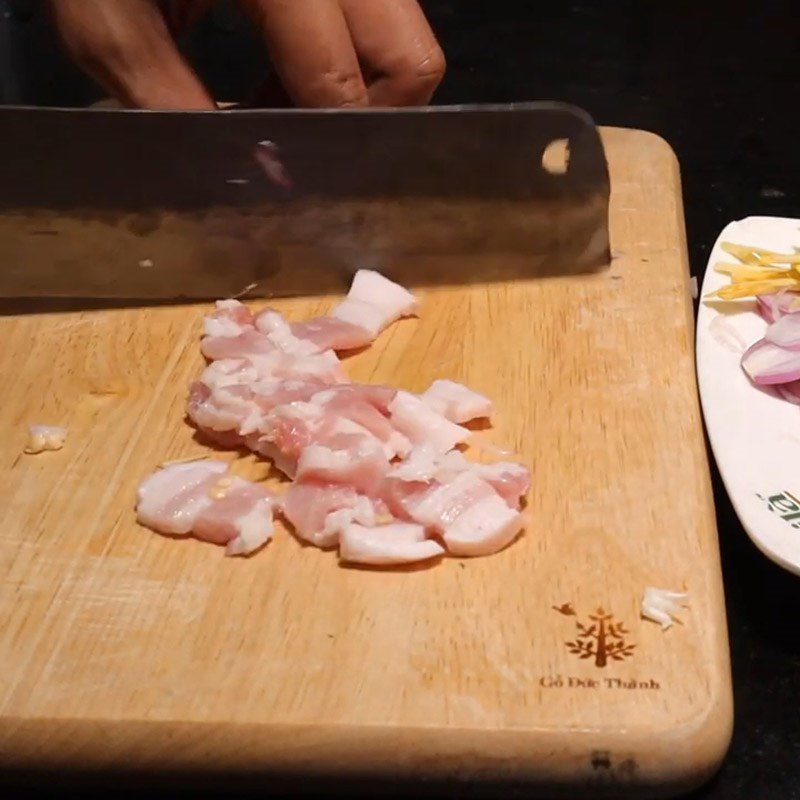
[767,363]
[785,331]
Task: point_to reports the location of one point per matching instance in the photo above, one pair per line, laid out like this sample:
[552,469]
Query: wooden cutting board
[121,648]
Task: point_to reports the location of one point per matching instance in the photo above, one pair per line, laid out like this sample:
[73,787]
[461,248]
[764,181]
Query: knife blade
[163,205]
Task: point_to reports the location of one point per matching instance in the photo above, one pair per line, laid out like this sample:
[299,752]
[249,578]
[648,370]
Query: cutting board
[121,648]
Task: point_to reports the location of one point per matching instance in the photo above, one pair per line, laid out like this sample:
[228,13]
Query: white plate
[754,434]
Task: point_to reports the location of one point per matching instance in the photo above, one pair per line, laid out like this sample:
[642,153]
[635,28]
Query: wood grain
[123,648]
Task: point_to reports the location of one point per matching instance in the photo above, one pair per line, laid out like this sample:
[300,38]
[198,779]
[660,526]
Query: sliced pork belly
[367,406]
[395,543]
[319,512]
[267,335]
[333,333]
[279,365]
[288,430]
[377,396]
[484,528]
[229,371]
[240,409]
[216,411]
[350,411]
[421,424]
[419,466]
[374,302]
[353,460]
[273,325]
[456,402]
[509,479]
[201,498]
[230,318]
[234,394]
[466,511]
[313,335]
[170,500]
[249,342]
[239,518]
[424,464]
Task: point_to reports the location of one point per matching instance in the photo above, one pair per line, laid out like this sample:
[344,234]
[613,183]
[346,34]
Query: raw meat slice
[374,302]
[248,343]
[268,346]
[366,406]
[201,498]
[419,423]
[333,333]
[353,460]
[273,325]
[421,464]
[229,371]
[318,512]
[170,500]
[484,528]
[289,429]
[270,321]
[378,396]
[285,464]
[456,402]
[443,503]
[239,518]
[240,408]
[230,318]
[233,394]
[469,514]
[313,335]
[509,479]
[325,366]
[221,407]
[395,543]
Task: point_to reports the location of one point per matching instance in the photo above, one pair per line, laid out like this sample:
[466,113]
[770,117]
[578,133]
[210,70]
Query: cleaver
[162,205]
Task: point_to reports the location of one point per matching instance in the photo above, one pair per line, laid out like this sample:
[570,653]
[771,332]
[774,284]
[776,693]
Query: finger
[126,47]
[398,51]
[312,50]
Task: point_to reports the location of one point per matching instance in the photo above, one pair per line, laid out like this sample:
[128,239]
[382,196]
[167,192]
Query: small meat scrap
[204,499]
[384,545]
[421,424]
[45,437]
[374,302]
[456,402]
[658,605]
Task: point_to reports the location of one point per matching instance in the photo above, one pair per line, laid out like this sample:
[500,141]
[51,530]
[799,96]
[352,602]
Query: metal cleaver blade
[159,205]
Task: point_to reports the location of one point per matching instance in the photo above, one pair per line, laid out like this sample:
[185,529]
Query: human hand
[336,53]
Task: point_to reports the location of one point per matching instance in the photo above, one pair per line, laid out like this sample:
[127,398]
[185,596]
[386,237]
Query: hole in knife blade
[555,158]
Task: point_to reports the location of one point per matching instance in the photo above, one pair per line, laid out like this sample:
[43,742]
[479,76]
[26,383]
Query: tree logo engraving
[601,638]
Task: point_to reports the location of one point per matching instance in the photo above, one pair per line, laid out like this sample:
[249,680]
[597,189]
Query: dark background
[721,87]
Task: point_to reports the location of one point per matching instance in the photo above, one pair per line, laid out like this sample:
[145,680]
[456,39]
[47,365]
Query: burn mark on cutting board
[606,772]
